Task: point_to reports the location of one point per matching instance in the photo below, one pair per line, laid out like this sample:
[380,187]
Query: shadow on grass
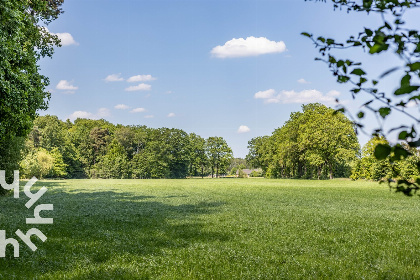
[91,228]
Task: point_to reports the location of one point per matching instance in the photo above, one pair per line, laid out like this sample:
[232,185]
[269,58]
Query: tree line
[317,143]
[321,143]
[99,149]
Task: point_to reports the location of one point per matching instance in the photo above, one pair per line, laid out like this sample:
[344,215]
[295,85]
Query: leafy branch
[390,37]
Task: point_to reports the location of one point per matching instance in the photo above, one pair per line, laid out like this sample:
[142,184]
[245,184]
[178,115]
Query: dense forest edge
[317,143]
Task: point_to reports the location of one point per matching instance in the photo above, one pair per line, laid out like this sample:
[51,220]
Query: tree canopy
[219,154]
[23,42]
[391,37]
[315,143]
[99,149]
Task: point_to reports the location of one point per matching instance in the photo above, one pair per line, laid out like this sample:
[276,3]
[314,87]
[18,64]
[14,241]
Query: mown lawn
[217,229]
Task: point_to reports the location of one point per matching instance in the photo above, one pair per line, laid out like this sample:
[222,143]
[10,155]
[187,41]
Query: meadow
[217,229]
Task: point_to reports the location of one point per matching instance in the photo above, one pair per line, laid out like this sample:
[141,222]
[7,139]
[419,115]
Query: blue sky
[157,63]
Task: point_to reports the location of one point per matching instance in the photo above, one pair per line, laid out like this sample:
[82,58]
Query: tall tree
[309,143]
[219,154]
[22,88]
[368,167]
[99,139]
[198,156]
[80,137]
[326,137]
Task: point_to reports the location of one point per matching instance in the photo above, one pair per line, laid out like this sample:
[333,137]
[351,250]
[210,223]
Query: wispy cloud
[303,81]
[149,116]
[121,107]
[304,96]
[114,78]
[171,115]
[138,110]
[141,78]
[101,113]
[139,87]
[251,46]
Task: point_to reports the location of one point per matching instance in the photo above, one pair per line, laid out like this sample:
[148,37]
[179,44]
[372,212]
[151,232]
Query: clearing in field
[218,229]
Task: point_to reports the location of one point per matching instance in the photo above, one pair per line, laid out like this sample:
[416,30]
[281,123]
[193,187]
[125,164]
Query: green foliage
[237,163]
[10,156]
[99,149]
[391,37]
[114,164]
[241,174]
[385,167]
[40,163]
[219,154]
[257,152]
[166,154]
[315,143]
[256,173]
[198,156]
[59,167]
[23,42]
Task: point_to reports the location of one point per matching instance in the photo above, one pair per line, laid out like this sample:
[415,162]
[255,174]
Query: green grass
[217,229]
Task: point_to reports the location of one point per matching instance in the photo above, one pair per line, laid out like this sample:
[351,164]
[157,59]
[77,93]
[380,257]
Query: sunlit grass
[217,229]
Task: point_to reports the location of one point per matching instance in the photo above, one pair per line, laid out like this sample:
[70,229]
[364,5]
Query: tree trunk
[202,172]
[217,171]
[319,171]
[300,169]
[330,170]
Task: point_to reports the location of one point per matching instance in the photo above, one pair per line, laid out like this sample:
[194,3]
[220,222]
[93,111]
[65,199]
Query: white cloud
[141,78]
[250,46]
[138,110]
[141,86]
[243,129]
[265,94]
[149,116]
[411,104]
[82,115]
[101,113]
[114,78]
[171,115]
[304,96]
[67,86]
[121,107]
[333,93]
[303,81]
[66,39]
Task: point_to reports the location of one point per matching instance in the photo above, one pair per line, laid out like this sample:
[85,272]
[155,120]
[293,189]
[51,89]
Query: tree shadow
[91,228]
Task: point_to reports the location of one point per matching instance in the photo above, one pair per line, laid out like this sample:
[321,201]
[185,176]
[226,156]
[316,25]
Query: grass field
[217,229]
